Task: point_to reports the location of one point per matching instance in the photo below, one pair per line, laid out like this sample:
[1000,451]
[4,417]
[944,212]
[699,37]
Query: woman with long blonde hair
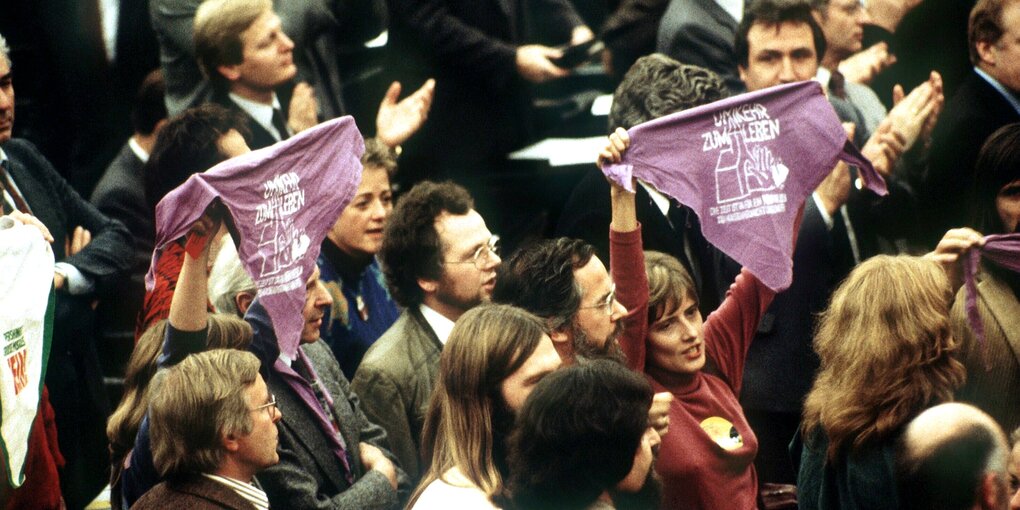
[887,353]
[494,357]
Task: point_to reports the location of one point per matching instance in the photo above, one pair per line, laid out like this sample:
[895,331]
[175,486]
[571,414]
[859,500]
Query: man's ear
[428,286]
[563,342]
[231,73]
[230,443]
[986,52]
[992,491]
[742,71]
[243,300]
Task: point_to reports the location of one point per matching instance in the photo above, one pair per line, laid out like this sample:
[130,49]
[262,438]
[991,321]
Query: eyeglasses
[482,257]
[606,304]
[268,405]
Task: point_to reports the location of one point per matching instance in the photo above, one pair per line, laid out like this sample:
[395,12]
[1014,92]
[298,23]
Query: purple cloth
[745,165]
[283,199]
[1003,250]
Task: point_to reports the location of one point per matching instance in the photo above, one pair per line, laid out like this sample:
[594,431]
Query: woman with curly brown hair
[887,353]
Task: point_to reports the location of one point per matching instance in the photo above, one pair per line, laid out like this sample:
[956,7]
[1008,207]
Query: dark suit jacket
[481,108]
[395,381]
[120,195]
[781,362]
[258,137]
[970,116]
[319,28]
[192,493]
[73,373]
[309,475]
[588,213]
[630,30]
[701,33]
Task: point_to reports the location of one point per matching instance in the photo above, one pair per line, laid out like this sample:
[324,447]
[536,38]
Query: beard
[649,497]
[585,348]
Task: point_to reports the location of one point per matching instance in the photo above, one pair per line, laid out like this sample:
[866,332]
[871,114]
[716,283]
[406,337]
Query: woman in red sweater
[706,459]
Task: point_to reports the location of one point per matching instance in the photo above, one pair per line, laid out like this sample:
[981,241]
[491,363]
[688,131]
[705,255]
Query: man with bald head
[952,456]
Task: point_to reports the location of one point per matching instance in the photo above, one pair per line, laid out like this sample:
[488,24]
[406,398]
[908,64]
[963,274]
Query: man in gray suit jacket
[440,261]
[701,32]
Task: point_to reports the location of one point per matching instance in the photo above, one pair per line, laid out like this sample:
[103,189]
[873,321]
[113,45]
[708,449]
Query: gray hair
[227,278]
[5,50]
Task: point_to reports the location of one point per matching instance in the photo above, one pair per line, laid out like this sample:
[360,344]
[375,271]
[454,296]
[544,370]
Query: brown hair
[668,284]
[487,345]
[985,25]
[195,404]
[225,331]
[886,350]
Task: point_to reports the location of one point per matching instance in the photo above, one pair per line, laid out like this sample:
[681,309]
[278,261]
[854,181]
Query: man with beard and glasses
[565,283]
[440,261]
[574,448]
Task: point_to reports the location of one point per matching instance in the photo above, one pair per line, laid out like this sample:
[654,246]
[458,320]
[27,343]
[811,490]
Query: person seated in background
[225,332]
[582,434]
[952,457]
[362,306]
[495,356]
[190,143]
[440,260]
[213,423]
[120,194]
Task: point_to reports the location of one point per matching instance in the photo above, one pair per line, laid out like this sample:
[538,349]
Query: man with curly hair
[440,261]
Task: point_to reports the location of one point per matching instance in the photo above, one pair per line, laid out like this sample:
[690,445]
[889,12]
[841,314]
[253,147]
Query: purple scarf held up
[745,165]
[1003,250]
[283,199]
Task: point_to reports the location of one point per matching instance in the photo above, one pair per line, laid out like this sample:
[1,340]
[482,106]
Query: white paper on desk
[600,107]
[562,151]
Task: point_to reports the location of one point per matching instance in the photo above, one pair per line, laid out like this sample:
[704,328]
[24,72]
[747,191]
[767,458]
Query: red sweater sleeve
[729,330]
[627,267]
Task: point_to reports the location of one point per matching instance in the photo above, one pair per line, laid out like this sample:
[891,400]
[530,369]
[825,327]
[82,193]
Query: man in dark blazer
[120,194]
[34,187]
[440,260]
[986,100]
[666,226]
[841,227]
[700,32]
[478,54]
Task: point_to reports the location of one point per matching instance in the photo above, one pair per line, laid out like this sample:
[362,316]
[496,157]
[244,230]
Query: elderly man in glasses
[213,427]
[440,261]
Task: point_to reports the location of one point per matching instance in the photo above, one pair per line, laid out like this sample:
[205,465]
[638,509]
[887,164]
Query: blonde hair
[195,404]
[225,331]
[887,353]
[217,35]
[487,345]
[668,284]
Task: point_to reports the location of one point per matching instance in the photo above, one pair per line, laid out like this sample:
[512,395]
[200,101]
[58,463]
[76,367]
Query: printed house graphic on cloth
[745,163]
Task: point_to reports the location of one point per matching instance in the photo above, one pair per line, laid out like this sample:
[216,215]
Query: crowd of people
[619,359]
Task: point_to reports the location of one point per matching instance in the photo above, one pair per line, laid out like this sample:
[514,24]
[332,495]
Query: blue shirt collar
[1006,93]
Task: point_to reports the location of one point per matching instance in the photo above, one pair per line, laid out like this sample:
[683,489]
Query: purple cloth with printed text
[745,165]
[1004,251]
[283,199]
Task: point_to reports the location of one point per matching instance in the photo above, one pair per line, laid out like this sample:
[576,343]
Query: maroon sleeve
[729,330]
[627,266]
